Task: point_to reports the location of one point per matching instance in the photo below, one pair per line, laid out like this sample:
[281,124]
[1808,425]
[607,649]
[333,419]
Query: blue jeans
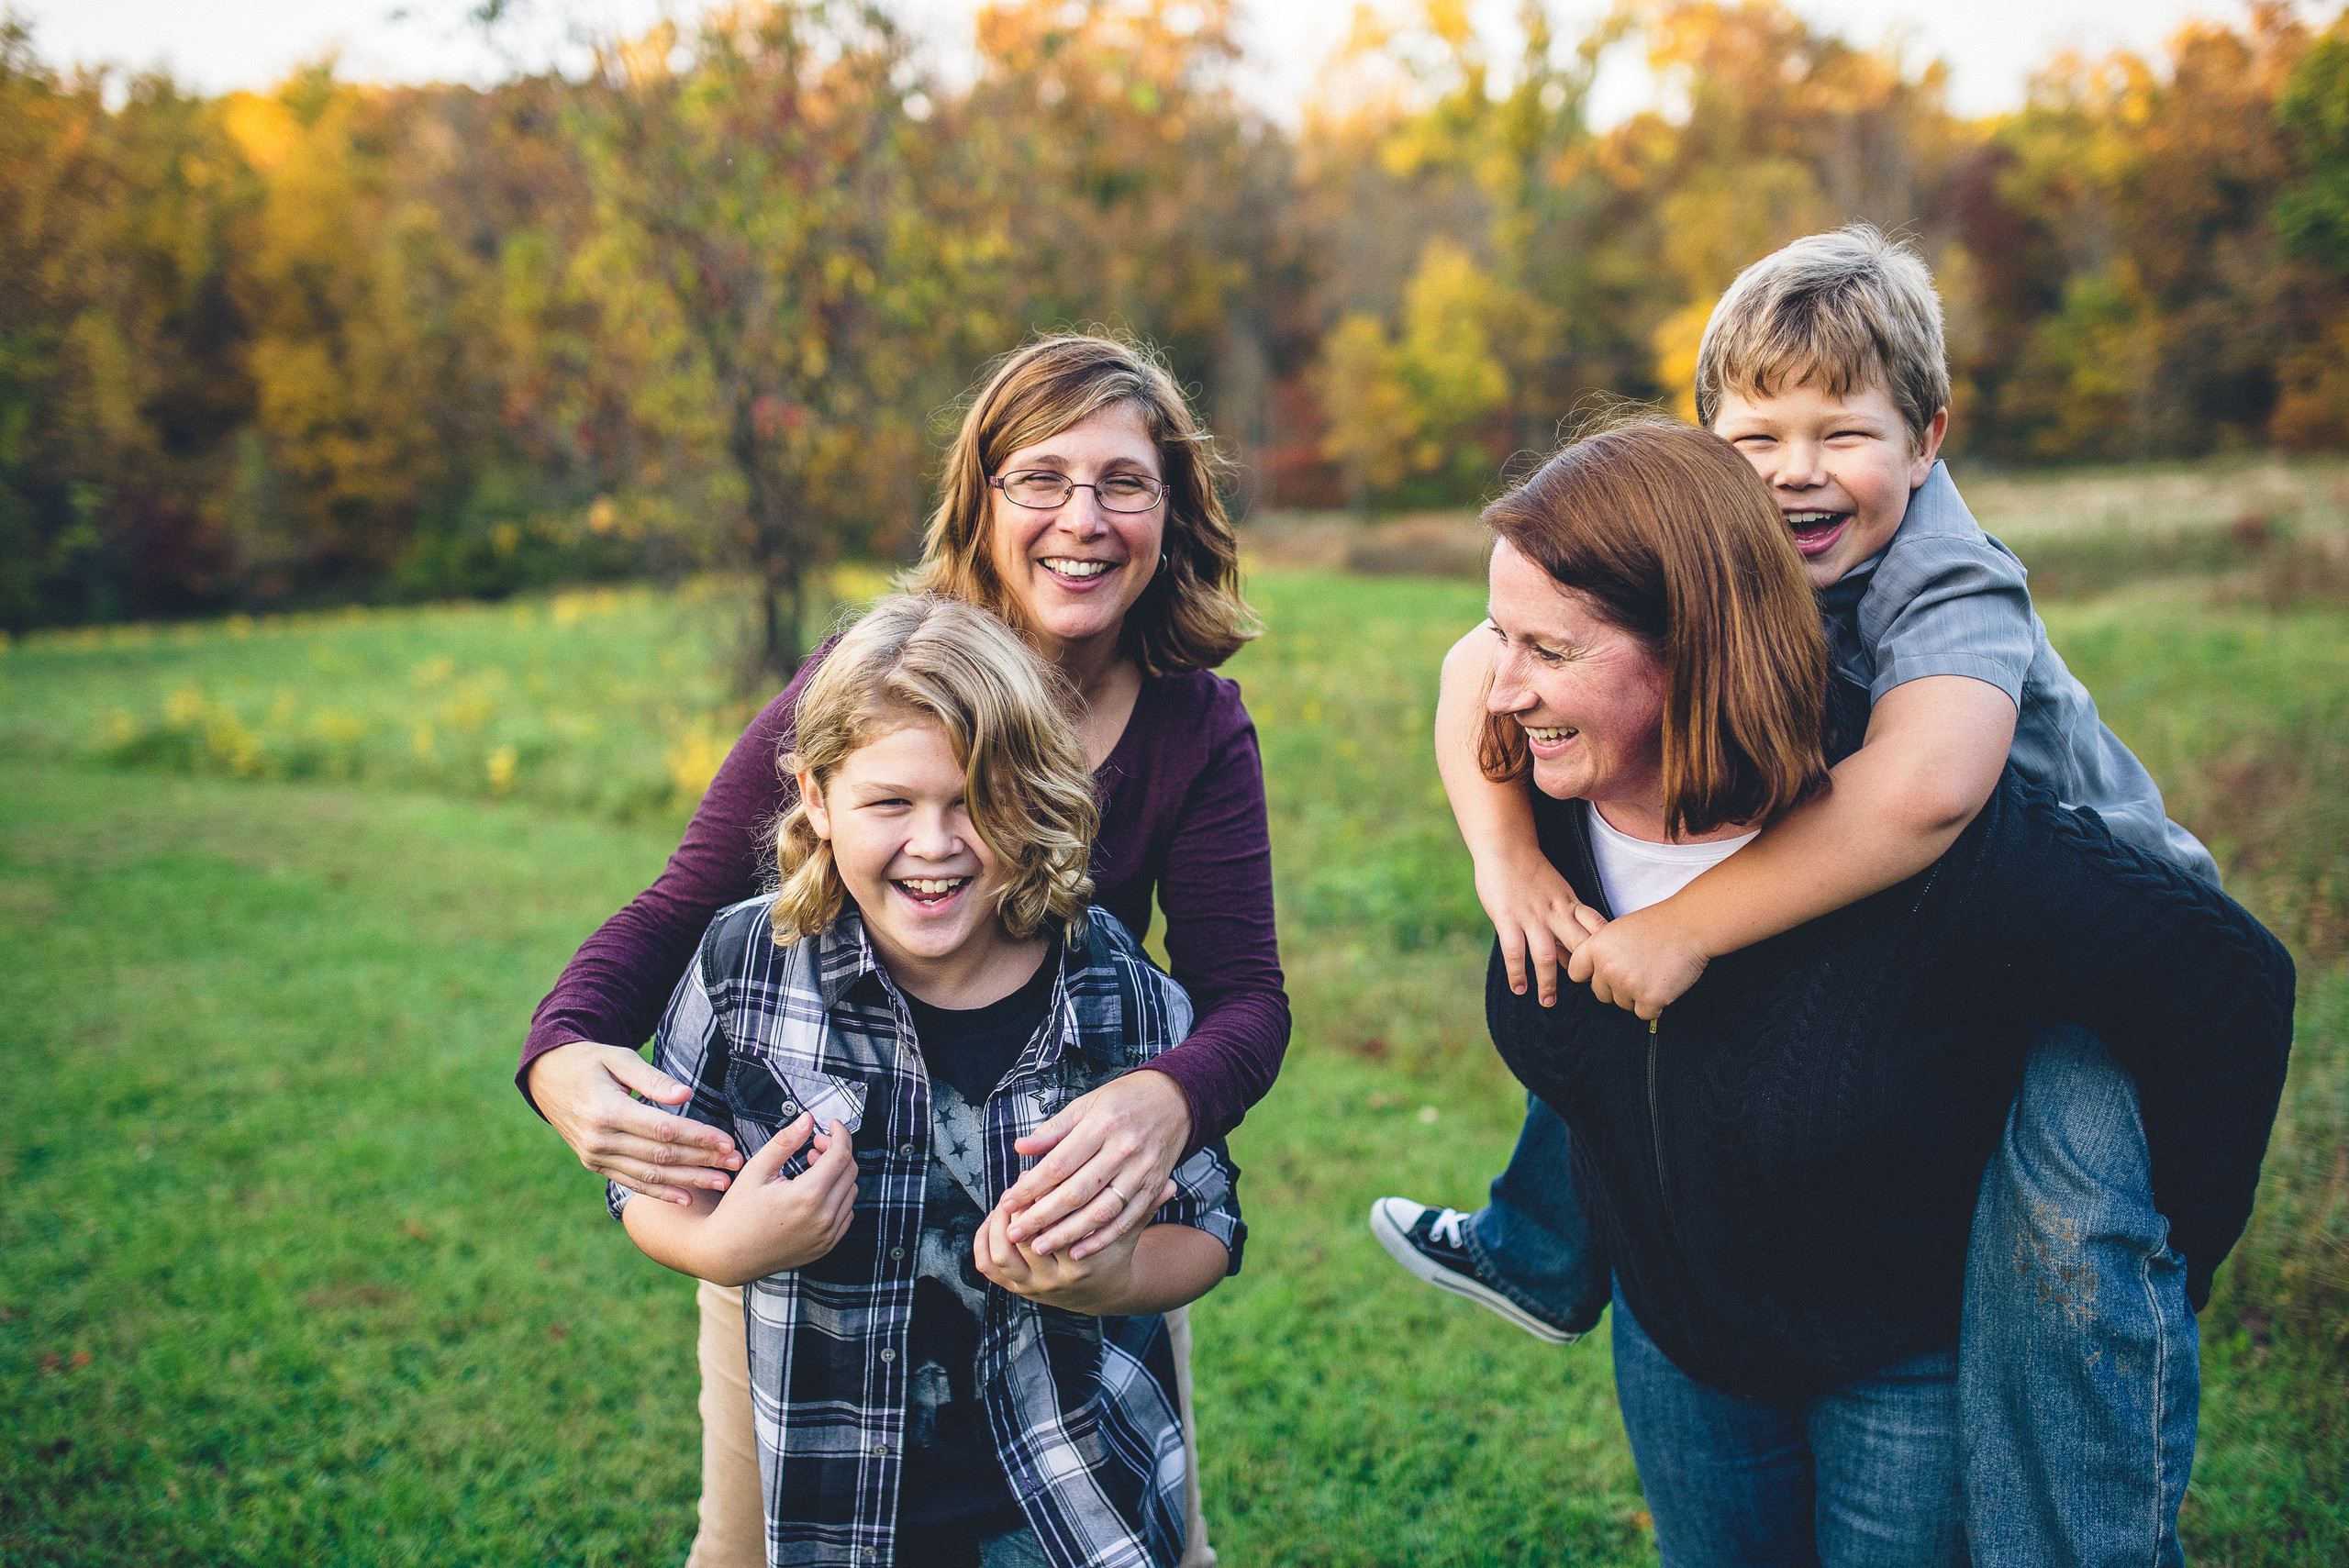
[1862,1476]
[1016,1549]
[2079,1373]
[1530,1241]
[2081,1369]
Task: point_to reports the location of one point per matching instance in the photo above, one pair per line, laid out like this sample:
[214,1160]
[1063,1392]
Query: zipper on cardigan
[1662,1181]
[1655,1133]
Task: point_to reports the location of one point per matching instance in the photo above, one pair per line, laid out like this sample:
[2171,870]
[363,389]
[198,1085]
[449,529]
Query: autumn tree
[1419,404]
[1787,131]
[772,287]
[1121,182]
[2154,306]
[121,382]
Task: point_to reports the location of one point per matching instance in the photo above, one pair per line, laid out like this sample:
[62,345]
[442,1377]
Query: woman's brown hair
[1191,616]
[1671,537]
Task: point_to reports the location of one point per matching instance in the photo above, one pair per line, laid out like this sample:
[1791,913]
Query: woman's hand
[1535,915]
[583,1089]
[1106,1159]
[1100,1283]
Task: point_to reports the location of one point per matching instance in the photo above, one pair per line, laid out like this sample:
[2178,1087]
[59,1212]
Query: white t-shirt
[1634,873]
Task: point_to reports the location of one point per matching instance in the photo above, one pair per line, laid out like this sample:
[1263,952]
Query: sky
[217,45]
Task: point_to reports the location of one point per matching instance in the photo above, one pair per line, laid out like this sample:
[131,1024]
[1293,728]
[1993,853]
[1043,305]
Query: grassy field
[293,1277]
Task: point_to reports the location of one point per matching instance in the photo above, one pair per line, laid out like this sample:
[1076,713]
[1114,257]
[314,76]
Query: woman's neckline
[1726,834]
[1114,690]
[1129,735]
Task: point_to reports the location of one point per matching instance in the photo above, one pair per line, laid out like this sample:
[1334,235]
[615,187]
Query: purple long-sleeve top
[1182,814]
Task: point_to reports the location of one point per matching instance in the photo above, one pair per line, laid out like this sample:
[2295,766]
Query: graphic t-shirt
[953,1478]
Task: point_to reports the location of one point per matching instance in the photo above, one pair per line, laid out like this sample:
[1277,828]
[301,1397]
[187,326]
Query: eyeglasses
[1040,489]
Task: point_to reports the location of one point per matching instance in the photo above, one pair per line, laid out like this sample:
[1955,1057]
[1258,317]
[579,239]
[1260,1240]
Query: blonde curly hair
[1008,714]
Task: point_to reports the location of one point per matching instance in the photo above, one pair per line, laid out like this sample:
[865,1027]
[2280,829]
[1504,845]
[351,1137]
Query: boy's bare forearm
[1165,1267]
[1174,1265]
[1934,751]
[685,1238]
[1496,819]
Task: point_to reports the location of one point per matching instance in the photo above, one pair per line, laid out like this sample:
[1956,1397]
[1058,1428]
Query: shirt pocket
[763,1090]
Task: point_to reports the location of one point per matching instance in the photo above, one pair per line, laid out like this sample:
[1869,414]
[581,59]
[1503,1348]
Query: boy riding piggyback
[1824,366]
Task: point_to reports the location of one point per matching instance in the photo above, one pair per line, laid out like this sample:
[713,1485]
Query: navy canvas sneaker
[1428,1242]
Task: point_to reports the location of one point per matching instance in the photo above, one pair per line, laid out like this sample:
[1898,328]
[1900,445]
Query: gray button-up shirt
[1944,598]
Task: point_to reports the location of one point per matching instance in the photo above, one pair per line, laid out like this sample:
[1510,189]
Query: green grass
[613,701]
[293,1276]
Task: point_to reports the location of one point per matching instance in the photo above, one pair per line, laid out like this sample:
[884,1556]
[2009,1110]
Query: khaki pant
[733,1517]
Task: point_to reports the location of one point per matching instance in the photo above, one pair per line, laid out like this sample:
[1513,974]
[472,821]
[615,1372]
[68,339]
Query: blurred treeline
[712,304]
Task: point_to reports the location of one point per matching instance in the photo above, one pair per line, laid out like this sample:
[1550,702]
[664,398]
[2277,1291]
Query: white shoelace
[1445,1231]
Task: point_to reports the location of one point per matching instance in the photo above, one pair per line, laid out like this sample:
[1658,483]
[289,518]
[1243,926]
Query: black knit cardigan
[1783,1170]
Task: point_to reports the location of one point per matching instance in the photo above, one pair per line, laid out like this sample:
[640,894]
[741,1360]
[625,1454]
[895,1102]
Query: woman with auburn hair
[1782,1169]
[1079,505]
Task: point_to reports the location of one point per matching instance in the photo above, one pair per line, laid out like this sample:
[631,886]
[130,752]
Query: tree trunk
[773,652]
[781,601]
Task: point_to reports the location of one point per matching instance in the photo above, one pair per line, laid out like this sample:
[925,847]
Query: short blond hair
[1849,309]
[1191,616]
[1008,714]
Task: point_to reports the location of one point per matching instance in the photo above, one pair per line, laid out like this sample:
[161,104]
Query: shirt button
[789,1109]
[896,1253]
[880,1447]
[888,1355]
[905,1150]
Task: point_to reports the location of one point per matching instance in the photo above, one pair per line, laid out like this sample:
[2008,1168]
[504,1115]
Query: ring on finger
[1122,1199]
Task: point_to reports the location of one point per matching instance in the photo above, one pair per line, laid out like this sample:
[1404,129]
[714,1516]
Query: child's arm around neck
[1935,750]
[1531,906]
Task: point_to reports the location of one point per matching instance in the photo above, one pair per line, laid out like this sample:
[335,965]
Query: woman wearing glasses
[1078,504]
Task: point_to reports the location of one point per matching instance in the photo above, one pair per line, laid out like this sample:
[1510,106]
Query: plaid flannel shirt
[1084,1409]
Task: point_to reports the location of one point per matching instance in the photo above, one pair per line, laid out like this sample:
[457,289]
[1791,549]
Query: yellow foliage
[693,758]
[499,765]
[1675,343]
[1412,406]
[262,129]
[1370,419]
[1447,349]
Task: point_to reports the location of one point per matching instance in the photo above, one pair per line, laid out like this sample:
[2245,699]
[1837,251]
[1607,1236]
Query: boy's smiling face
[908,853]
[1841,468]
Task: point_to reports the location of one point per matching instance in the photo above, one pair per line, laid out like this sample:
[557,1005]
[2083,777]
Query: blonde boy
[928,988]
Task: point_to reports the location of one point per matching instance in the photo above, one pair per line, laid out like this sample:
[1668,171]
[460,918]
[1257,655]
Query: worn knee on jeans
[2045,1248]
[2071,1184]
